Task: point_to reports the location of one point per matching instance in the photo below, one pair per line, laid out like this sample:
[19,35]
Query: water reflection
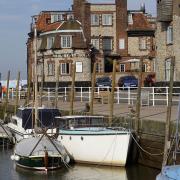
[76,172]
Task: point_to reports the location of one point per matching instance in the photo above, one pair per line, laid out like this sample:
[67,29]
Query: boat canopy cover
[26,146]
[170,172]
[46,117]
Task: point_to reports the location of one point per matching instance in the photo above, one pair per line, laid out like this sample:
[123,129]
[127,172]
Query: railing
[154,95]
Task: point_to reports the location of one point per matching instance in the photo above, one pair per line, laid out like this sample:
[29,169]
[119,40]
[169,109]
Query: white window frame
[130,19]
[51,69]
[169,35]
[121,43]
[95,43]
[66,41]
[50,42]
[56,17]
[107,19]
[144,68]
[95,19]
[142,43]
[167,69]
[122,66]
[63,68]
[79,67]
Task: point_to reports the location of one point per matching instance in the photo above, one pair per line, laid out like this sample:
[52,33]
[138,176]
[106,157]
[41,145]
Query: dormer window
[130,19]
[56,17]
[66,41]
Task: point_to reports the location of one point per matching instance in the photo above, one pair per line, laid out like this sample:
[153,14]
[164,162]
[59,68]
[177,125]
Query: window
[130,19]
[107,19]
[95,19]
[122,68]
[65,68]
[98,67]
[142,43]
[121,43]
[39,69]
[56,17]
[79,67]
[144,68]
[51,69]
[95,43]
[66,41]
[169,35]
[107,44]
[167,69]
[50,42]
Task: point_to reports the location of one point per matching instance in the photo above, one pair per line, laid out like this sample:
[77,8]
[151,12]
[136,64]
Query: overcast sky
[15,19]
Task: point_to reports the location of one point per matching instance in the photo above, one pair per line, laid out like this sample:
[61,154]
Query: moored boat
[21,124]
[40,153]
[87,141]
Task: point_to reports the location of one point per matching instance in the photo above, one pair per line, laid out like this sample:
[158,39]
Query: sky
[15,19]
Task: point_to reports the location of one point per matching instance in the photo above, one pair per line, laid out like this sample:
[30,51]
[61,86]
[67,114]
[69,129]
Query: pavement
[155,113]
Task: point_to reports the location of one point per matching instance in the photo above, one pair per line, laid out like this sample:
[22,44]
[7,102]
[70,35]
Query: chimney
[121,25]
[81,10]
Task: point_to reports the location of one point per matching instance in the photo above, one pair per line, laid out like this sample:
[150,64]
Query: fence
[154,95]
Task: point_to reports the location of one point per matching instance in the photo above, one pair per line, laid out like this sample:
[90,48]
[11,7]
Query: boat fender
[15,157]
[67,159]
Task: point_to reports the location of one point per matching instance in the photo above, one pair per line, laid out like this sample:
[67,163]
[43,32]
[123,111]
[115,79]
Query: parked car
[128,81]
[104,83]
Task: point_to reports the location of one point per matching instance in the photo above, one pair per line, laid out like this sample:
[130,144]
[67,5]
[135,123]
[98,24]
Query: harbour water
[74,172]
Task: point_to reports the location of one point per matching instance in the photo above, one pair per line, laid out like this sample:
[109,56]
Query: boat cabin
[71,122]
[25,118]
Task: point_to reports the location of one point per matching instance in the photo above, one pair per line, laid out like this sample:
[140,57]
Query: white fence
[153,95]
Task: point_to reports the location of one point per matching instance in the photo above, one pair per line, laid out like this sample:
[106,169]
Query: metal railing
[154,95]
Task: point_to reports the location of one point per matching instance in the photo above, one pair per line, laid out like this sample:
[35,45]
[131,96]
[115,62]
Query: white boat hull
[110,149]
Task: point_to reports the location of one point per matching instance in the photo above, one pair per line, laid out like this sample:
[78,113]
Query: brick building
[168,39]
[108,32]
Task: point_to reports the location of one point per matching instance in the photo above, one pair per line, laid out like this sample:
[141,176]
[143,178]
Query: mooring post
[17,93]
[112,94]
[168,116]
[138,99]
[93,79]
[72,89]
[7,92]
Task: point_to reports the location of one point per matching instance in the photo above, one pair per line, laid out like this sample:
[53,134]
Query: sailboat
[88,140]
[39,151]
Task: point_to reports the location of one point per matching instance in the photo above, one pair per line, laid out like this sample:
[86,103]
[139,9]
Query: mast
[35,76]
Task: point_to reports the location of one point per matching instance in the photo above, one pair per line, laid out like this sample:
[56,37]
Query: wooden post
[17,93]
[28,91]
[112,94]
[138,99]
[57,87]
[41,89]
[7,92]
[72,89]
[92,89]
[168,117]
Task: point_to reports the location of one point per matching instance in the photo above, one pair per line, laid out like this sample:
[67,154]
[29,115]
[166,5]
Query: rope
[151,154]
